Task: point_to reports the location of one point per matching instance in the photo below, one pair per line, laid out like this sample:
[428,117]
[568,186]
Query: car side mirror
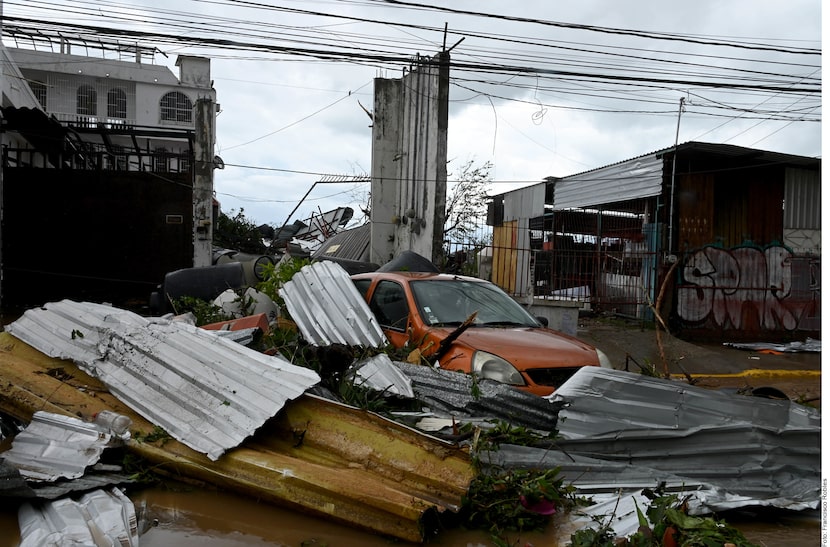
[543,320]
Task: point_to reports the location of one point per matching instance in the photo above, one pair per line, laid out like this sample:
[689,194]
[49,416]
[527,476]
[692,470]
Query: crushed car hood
[527,348]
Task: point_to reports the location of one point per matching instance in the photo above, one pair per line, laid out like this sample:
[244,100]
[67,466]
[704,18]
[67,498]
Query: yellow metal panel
[505,256]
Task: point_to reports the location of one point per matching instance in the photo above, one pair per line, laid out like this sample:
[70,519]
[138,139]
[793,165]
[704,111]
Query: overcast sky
[543,88]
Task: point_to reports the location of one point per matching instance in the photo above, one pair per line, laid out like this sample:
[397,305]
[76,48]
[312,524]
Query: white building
[133,140]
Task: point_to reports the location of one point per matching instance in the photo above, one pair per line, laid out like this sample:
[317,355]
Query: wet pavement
[631,345]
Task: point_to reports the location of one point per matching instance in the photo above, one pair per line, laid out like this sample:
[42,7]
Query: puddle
[192,517]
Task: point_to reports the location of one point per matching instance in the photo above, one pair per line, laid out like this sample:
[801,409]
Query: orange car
[500,341]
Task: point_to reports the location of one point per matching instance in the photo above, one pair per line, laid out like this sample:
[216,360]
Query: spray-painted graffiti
[751,289]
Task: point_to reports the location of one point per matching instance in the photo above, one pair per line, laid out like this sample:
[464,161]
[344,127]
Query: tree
[238,233]
[467,202]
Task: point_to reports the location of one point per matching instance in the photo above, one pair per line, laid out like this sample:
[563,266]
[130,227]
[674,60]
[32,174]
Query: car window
[389,305]
[450,302]
[362,286]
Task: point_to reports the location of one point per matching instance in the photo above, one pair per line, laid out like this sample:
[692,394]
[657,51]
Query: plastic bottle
[117,423]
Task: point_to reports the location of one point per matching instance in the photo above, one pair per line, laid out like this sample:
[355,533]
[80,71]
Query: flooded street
[191,517]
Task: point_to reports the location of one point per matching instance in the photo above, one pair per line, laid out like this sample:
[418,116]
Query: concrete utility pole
[203,183]
[409,161]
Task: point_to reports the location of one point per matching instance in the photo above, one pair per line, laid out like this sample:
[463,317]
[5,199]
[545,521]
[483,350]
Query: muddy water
[187,517]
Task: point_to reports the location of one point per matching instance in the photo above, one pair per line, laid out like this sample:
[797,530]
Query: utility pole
[673,174]
[203,182]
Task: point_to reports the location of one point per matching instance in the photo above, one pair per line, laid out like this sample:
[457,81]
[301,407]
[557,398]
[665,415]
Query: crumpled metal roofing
[100,518]
[452,394]
[607,403]
[54,446]
[328,308]
[621,433]
[205,391]
[316,456]
[380,374]
[624,431]
[616,488]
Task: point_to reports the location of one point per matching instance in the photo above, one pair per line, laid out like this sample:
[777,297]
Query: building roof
[700,149]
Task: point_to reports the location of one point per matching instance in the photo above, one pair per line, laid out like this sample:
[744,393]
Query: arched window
[176,106]
[87,99]
[116,103]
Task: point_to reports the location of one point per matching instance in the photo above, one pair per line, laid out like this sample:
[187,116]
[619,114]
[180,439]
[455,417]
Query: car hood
[526,347]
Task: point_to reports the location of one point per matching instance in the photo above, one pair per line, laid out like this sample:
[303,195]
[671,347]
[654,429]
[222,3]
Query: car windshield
[451,302]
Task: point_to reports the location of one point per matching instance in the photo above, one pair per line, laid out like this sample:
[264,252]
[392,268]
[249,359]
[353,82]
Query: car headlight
[604,361]
[493,367]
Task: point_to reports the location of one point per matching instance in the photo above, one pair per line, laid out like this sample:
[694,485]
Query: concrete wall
[562,315]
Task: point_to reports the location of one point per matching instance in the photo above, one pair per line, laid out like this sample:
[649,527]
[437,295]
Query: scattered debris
[809,345]
[620,433]
[54,446]
[624,441]
[100,518]
[207,392]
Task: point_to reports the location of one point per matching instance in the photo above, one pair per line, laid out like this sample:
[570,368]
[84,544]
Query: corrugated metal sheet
[621,433]
[636,178]
[55,446]
[525,203]
[757,451]
[205,391]
[315,456]
[451,394]
[802,199]
[352,244]
[96,477]
[100,519]
[628,402]
[379,373]
[328,308]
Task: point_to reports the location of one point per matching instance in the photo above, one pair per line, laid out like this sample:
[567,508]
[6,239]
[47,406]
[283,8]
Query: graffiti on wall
[750,288]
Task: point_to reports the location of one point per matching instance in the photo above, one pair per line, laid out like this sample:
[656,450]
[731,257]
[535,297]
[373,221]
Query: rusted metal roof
[328,308]
[205,391]
[351,244]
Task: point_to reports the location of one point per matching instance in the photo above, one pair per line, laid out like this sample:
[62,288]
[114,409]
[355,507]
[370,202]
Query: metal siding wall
[637,178]
[525,203]
[802,199]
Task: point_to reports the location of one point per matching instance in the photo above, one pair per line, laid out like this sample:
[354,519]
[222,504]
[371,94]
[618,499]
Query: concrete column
[203,182]
[386,174]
